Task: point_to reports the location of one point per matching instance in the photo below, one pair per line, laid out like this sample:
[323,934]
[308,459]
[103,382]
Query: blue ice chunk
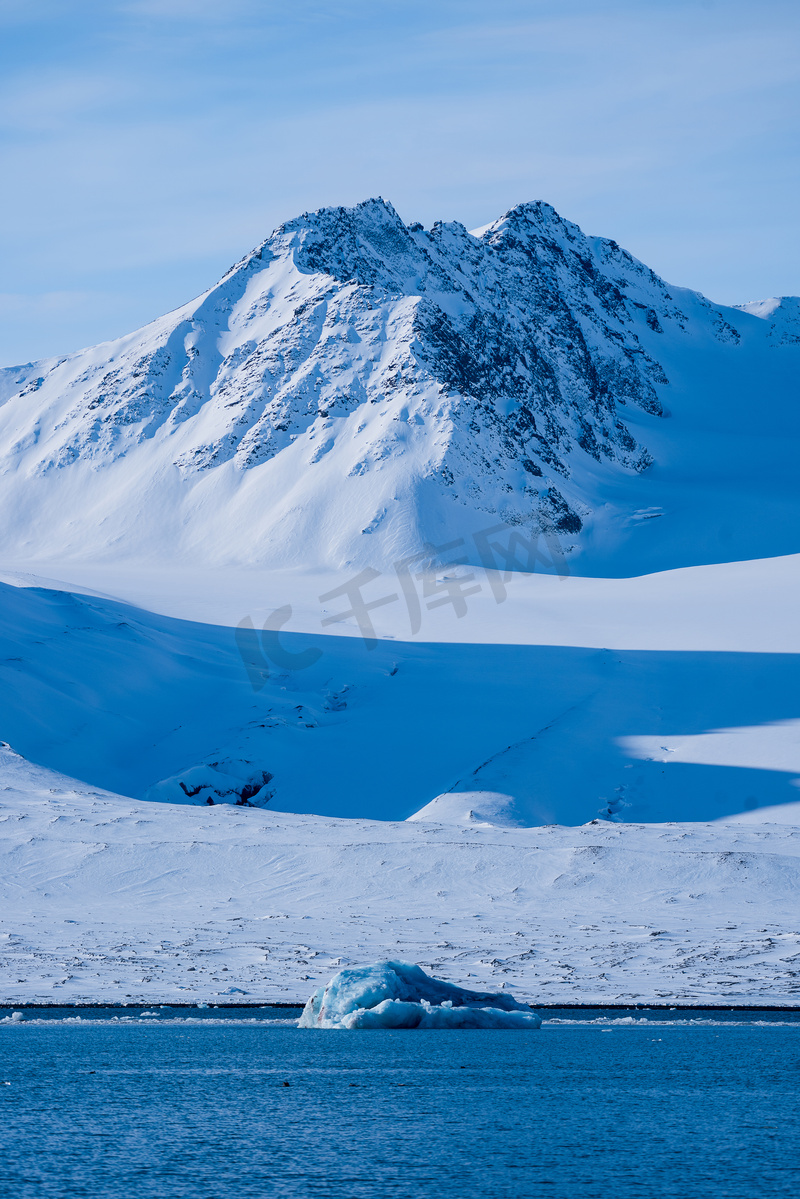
[402,995]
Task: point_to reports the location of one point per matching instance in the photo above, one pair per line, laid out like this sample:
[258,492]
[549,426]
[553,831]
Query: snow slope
[572,699]
[355,390]
[104,898]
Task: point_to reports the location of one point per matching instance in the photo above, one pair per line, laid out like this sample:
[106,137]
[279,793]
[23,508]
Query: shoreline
[283,1006]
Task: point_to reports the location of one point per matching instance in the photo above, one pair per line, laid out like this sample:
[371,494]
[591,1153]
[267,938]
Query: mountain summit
[356,388]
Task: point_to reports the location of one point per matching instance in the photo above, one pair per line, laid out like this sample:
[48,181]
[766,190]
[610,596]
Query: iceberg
[402,995]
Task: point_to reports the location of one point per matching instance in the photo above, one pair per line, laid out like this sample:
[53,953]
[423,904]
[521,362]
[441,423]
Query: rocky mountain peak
[358,377]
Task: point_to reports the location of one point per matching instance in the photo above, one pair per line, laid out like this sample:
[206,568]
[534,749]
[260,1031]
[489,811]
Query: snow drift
[401,995]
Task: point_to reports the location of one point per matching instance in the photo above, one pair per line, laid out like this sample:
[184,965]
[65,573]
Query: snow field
[107,899]
[572,699]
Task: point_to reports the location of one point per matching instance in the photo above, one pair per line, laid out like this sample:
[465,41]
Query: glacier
[402,995]
[574,695]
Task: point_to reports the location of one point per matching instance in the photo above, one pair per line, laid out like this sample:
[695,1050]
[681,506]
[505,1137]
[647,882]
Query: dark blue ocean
[160,1108]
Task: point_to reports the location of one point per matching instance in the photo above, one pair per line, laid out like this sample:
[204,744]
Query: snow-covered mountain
[356,389]
[358,393]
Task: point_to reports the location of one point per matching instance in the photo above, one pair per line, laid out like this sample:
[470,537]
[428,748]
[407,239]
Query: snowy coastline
[106,899]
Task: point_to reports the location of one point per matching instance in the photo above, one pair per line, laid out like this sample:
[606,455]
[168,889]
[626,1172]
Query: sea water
[197,1106]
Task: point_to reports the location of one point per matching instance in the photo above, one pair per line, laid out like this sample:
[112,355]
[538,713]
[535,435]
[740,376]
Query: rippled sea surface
[174,1108]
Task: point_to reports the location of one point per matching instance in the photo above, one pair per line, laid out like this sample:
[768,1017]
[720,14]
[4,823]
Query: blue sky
[147,144]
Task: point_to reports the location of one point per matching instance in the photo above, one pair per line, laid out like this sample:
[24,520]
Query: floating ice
[401,995]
